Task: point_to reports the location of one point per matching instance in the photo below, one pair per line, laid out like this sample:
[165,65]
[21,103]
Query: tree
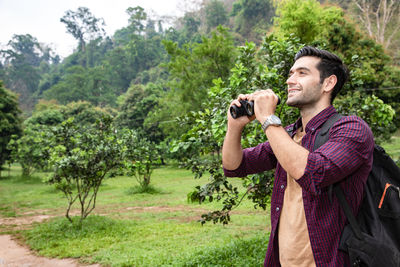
[192,69]
[190,30]
[137,103]
[83,26]
[137,17]
[22,67]
[142,156]
[83,84]
[306,20]
[10,122]
[25,45]
[194,66]
[137,49]
[82,157]
[381,19]
[85,113]
[216,14]
[252,18]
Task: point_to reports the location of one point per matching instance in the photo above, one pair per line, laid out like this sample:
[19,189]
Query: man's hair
[330,64]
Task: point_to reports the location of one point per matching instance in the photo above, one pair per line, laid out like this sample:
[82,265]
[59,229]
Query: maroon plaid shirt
[346,157]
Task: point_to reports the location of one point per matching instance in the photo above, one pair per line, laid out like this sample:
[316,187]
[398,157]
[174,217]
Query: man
[306,220]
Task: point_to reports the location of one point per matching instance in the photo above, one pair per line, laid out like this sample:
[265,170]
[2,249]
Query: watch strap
[271,120]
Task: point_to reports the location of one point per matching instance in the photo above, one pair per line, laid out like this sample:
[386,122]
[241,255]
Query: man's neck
[308,113]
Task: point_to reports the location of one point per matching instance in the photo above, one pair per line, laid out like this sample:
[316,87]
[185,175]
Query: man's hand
[240,122]
[265,102]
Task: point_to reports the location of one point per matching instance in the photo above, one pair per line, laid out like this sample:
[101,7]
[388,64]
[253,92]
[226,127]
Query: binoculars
[246,109]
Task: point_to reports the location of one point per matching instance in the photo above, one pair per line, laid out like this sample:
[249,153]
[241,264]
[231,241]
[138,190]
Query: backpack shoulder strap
[323,135]
[347,211]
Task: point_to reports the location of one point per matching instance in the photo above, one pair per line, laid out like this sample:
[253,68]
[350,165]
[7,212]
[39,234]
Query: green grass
[133,228]
[393,146]
[136,243]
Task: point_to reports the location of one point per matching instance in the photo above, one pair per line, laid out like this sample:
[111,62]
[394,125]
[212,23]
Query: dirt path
[14,255]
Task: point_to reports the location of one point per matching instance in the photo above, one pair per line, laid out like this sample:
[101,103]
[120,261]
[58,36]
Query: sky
[41,18]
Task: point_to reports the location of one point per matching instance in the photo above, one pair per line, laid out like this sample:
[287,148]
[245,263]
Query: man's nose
[291,79]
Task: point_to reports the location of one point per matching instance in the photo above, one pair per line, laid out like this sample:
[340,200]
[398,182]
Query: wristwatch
[271,120]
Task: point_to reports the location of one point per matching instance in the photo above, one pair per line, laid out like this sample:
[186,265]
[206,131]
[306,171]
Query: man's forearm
[291,156]
[232,152]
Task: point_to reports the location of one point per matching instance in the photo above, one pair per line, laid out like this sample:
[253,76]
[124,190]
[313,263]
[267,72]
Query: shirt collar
[317,121]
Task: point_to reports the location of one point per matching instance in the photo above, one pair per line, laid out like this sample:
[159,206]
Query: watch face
[275,120]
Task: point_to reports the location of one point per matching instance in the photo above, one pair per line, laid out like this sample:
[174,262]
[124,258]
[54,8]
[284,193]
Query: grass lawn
[126,229]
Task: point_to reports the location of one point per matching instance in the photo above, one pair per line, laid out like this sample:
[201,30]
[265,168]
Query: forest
[150,94]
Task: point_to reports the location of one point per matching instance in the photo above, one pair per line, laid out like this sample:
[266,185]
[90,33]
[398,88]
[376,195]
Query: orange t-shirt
[294,241]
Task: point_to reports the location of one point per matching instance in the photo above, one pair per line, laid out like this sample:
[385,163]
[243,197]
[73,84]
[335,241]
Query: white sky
[41,18]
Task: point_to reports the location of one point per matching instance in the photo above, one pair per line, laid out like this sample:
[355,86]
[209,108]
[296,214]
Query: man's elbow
[296,171]
[233,170]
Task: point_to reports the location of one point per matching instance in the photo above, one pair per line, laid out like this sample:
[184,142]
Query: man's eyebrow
[299,69]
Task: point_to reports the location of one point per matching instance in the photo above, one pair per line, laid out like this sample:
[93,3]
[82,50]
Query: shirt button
[312,129]
[282,186]
[277,208]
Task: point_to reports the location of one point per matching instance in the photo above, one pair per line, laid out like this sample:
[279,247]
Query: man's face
[304,87]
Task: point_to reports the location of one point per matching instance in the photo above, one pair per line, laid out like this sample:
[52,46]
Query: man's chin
[291,103]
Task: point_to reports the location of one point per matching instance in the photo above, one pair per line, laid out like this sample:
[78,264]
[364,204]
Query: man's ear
[329,83]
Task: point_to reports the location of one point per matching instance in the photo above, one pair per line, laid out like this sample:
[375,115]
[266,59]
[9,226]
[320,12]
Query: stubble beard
[301,99]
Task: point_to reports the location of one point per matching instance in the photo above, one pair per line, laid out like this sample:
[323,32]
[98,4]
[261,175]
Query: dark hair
[330,64]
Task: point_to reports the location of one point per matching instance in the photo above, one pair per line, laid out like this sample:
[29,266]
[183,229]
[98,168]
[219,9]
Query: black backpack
[373,237]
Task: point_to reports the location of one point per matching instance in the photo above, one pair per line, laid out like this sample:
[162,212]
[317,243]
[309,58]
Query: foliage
[31,150]
[206,136]
[252,18]
[136,18]
[328,28]
[304,19]
[82,157]
[373,110]
[47,117]
[142,157]
[24,61]
[192,69]
[83,26]
[264,70]
[216,14]
[196,64]
[10,122]
[83,84]
[136,104]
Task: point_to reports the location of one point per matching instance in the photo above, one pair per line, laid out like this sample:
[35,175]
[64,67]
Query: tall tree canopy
[252,18]
[83,25]
[216,14]
[25,61]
